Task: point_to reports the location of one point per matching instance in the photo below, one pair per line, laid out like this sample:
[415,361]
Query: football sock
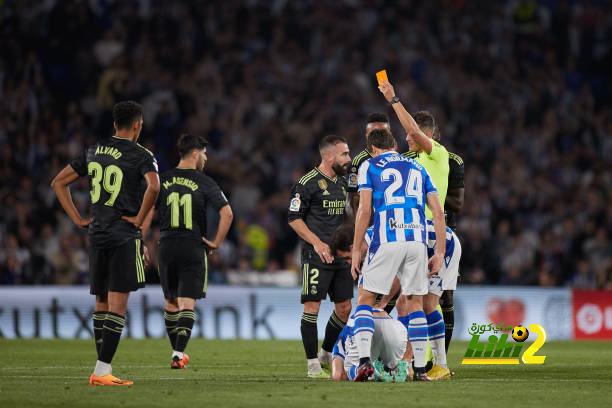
[351,373]
[111,334]
[171,319]
[98,323]
[435,331]
[183,329]
[363,330]
[448,312]
[405,320]
[314,365]
[308,327]
[417,335]
[102,369]
[332,331]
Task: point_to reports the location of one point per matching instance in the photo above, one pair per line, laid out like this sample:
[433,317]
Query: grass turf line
[248,373]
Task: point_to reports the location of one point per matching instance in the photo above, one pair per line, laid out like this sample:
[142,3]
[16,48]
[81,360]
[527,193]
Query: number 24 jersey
[399,187]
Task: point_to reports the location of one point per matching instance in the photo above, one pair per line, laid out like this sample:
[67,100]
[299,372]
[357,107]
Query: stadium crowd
[521,91]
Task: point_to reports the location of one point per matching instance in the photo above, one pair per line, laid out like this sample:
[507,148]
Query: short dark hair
[381,138]
[377,117]
[331,140]
[126,113]
[188,142]
[436,134]
[425,120]
[342,238]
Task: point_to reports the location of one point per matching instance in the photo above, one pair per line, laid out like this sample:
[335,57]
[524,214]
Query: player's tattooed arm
[456,185]
[60,185]
[353,205]
[146,224]
[406,119]
[454,199]
[320,247]
[361,225]
[435,263]
[384,301]
[226,216]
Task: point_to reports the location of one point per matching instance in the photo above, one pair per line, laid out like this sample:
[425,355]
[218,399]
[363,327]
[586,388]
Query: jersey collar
[323,174]
[388,153]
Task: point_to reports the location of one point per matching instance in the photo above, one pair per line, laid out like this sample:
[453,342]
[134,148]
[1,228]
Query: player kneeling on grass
[389,343]
[388,348]
[445,279]
[183,263]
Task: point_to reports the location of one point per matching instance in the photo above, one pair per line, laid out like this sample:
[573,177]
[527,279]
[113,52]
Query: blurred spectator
[521,90]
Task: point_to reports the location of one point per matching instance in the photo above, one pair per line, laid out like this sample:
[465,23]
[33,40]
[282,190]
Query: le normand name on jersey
[382,162]
[181,181]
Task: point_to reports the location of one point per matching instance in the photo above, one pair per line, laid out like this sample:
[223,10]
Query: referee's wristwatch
[394,100]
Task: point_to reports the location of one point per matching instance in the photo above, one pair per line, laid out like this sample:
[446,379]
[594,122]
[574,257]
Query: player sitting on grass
[388,349]
[390,336]
[445,279]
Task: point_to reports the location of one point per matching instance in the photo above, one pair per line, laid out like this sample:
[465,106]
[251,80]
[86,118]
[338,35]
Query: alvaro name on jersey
[116,169]
[399,187]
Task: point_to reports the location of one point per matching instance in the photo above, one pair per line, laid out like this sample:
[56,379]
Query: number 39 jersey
[399,187]
[182,202]
[115,168]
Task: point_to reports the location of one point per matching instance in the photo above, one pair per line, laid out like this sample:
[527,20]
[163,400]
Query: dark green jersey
[115,168]
[354,169]
[455,180]
[320,202]
[183,200]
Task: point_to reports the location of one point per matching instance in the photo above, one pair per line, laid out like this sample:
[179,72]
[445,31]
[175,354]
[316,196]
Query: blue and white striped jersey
[431,241]
[340,346]
[399,187]
[347,335]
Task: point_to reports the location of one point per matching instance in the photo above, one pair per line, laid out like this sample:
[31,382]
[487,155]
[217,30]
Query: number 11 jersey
[399,187]
[115,168]
[182,202]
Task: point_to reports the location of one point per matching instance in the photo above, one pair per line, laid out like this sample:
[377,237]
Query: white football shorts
[446,278]
[388,343]
[407,260]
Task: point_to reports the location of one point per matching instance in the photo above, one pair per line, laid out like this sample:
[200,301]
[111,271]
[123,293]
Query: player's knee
[312,307]
[343,310]
[336,376]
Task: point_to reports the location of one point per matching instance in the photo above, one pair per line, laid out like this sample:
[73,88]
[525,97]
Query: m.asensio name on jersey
[182,181]
[335,207]
[111,151]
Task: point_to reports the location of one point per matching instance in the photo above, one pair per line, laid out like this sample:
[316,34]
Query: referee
[183,264]
[316,210]
[420,129]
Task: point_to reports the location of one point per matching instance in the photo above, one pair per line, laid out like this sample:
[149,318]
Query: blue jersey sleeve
[339,349]
[428,185]
[365,177]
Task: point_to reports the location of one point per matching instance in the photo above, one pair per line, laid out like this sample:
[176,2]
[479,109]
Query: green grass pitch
[249,373]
